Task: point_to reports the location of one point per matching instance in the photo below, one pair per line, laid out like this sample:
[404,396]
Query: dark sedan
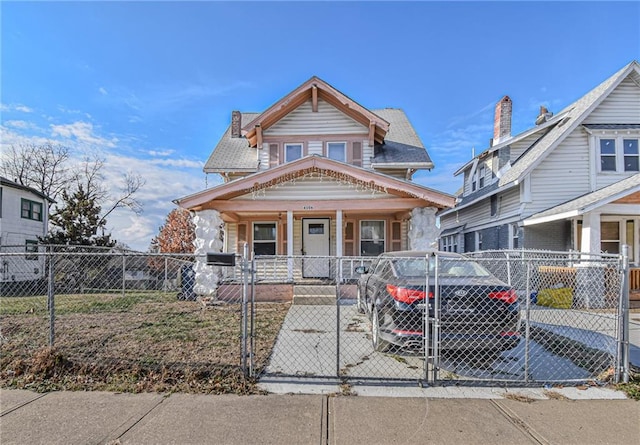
[477,310]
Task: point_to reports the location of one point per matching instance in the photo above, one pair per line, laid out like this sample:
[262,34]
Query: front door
[315,242]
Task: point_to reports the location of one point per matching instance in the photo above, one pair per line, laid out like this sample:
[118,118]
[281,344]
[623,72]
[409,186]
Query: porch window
[264,238]
[515,238]
[337,151]
[610,236]
[371,238]
[292,152]
[478,240]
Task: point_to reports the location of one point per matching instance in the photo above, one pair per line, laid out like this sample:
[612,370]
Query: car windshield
[415,267]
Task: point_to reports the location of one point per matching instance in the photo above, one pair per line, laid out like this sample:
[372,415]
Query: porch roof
[588,201]
[314,163]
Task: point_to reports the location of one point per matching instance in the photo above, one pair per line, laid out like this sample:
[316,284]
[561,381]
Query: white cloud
[103,91]
[82,132]
[20,124]
[166,152]
[188,163]
[5,108]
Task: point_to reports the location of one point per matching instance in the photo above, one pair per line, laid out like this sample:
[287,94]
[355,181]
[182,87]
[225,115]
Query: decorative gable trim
[367,179]
[314,89]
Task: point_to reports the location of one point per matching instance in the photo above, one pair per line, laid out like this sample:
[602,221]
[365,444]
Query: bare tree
[91,178]
[43,167]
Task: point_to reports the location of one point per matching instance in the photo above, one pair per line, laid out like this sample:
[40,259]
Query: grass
[139,342]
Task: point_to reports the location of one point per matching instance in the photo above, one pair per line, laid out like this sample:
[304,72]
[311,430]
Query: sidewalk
[108,418]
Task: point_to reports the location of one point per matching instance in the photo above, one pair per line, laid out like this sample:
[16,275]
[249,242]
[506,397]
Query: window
[292,152]
[337,151]
[478,240]
[264,238]
[631,163]
[619,155]
[515,236]
[607,155]
[371,238]
[31,210]
[494,205]
[610,236]
[450,243]
[30,247]
[481,177]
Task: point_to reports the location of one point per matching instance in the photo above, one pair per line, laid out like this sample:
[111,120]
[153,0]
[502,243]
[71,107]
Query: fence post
[51,299]
[623,335]
[427,323]
[245,285]
[252,346]
[437,314]
[527,321]
[124,270]
[337,321]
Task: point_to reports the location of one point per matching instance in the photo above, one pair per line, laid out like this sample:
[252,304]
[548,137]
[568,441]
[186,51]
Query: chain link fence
[111,319]
[83,318]
[523,317]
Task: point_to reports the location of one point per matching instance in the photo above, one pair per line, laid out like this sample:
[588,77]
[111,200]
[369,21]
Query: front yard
[133,343]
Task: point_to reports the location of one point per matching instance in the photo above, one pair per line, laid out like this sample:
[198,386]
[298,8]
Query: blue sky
[151,85]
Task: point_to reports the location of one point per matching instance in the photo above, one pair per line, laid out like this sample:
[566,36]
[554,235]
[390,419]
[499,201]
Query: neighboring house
[317,174]
[23,219]
[571,181]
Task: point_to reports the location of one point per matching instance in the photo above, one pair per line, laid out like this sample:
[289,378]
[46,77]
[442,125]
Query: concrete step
[314,289]
[314,300]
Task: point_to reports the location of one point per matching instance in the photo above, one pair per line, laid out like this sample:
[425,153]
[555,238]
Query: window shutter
[357,154]
[396,236]
[273,155]
[349,238]
[242,238]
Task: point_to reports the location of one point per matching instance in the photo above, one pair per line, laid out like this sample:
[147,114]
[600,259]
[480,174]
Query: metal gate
[522,317]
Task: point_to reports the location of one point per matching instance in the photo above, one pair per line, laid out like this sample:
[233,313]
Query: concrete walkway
[108,418]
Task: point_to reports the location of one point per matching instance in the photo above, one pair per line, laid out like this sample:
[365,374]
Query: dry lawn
[133,343]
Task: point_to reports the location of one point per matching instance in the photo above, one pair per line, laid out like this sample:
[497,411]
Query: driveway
[307,346]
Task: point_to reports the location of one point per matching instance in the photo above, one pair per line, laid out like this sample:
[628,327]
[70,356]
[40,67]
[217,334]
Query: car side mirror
[362,269]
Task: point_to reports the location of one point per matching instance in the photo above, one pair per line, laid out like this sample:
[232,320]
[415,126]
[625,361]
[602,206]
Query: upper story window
[337,151]
[31,210]
[481,177]
[619,155]
[292,152]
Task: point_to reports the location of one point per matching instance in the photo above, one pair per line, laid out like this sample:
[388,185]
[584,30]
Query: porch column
[590,280]
[338,233]
[290,245]
[590,233]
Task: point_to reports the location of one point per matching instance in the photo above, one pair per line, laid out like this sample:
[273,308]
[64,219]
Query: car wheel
[379,344]
[360,303]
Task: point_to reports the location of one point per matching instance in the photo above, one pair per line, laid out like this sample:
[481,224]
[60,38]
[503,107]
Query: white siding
[314,148]
[327,120]
[519,147]
[263,157]
[367,154]
[562,175]
[316,189]
[15,229]
[622,106]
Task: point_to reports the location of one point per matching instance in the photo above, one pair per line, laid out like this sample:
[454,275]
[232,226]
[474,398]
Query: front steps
[314,294]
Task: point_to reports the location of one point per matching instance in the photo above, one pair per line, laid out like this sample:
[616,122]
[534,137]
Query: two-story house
[23,219]
[317,174]
[571,181]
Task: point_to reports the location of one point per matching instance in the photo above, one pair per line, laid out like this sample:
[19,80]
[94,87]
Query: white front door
[315,242]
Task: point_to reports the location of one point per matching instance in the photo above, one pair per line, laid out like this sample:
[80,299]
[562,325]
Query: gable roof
[401,145]
[314,89]
[9,183]
[244,185]
[588,201]
[572,116]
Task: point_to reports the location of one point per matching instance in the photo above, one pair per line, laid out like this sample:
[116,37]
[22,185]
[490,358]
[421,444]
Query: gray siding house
[571,181]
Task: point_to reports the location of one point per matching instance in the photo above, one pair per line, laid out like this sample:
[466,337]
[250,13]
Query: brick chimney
[236,124]
[502,120]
